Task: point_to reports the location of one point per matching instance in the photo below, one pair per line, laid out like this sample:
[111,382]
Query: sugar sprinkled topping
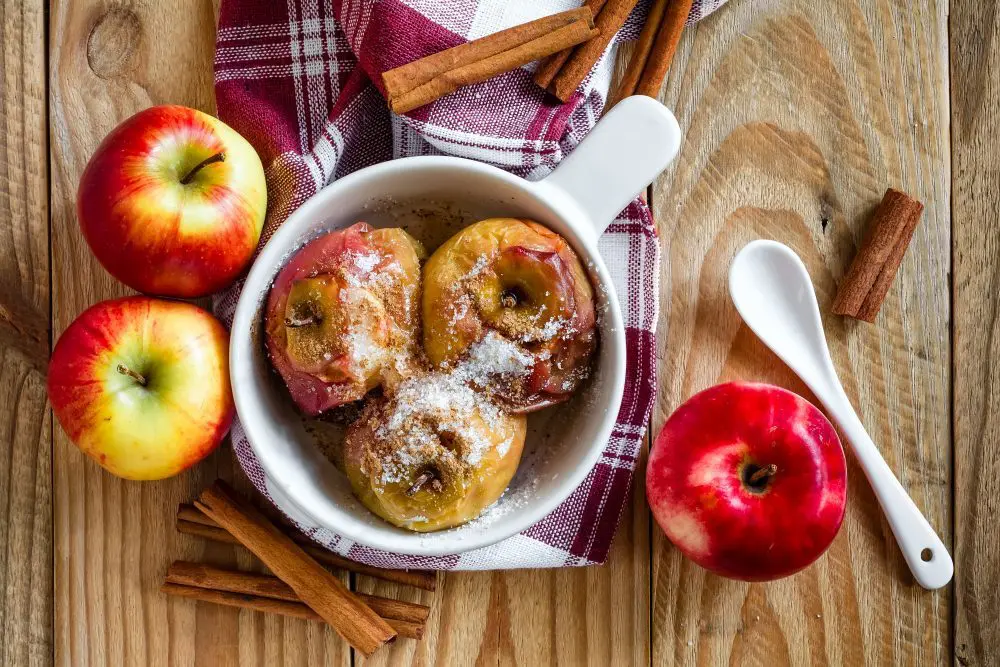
[365,352]
[494,355]
[554,327]
[364,261]
[426,406]
[459,309]
[482,263]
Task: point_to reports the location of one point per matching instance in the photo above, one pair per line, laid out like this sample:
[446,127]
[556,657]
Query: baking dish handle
[624,152]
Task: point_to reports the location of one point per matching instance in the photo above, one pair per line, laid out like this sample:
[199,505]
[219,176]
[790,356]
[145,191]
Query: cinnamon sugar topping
[439,410]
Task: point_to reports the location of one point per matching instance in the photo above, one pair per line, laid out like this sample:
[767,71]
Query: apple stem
[125,370]
[763,474]
[425,477]
[296,322]
[218,157]
[511,297]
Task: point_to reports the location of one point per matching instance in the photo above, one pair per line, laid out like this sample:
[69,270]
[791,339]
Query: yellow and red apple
[141,385]
[173,202]
[512,294]
[427,464]
[343,315]
[748,480]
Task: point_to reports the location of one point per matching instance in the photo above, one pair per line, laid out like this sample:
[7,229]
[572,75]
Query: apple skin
[159,235]
[136,431]
[696,481]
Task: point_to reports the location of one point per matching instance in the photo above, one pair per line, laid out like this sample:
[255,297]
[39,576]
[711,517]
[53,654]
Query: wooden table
[797,114]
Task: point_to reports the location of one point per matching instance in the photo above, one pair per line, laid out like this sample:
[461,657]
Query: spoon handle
[925,553]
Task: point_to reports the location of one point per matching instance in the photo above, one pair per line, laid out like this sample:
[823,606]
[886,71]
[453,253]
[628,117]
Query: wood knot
[113,42]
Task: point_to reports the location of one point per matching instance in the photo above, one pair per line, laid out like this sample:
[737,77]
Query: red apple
[748,480]
[141,385]
[173,202]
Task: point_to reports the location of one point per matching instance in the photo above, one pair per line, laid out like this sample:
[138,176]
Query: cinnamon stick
[551,66]
[583,59]
[664,48]
[640,55]
[413,74]
[427,79]
[870,275]
[191,521]
[200,575]
[876,296]
[402,628]
[324,593]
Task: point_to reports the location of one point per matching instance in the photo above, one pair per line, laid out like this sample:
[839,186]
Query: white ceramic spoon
[773,293]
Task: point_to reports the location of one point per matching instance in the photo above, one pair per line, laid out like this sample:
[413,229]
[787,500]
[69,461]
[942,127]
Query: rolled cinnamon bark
[664,48]
[876,296]
[870,275]
[209,577]
[583,59]
[551,66]
[407,629]
[640,56]
[324,593]
[191,521]
[418,83]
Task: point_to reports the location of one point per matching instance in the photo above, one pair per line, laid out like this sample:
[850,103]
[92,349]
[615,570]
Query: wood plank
[114,539]
[584,616]
[462,627]
[25,421]
[975,57]
[797,115]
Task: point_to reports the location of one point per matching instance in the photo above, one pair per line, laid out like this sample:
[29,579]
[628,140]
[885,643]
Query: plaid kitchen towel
[295,78]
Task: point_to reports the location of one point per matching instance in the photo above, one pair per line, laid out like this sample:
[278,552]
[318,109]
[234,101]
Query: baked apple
[433,454]
[508,305]
[343,316]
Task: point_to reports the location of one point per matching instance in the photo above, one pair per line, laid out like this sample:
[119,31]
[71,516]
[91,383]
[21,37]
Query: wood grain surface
[797,115]
[975,116]
[25,423]
[114,539]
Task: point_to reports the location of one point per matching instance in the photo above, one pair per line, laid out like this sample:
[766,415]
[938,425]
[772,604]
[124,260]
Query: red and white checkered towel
[294,78]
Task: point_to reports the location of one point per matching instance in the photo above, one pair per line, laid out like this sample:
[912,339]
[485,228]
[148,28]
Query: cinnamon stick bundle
[420,82]
[655,52]
[324,593]
[874,268]
[551,66]
[191,521]
[201,575]
[402,628]
[583,58]
[210,578]
[640,55]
